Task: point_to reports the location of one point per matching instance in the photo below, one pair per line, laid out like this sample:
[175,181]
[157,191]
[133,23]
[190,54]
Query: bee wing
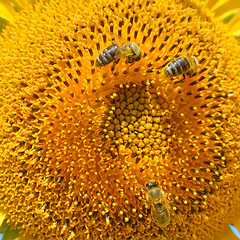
[86,41]
[123,43]
[165,201]
[173,216]
[115,38]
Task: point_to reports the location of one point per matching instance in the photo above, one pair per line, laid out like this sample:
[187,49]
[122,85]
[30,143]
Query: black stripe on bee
[113,49]
[109,54]
[177,67]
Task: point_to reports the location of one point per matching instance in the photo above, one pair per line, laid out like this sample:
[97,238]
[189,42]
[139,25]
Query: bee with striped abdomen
[160,208]
[129,50]
[182,65]
[108,55]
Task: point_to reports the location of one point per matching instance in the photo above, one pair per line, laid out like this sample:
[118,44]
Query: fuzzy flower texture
[78,142]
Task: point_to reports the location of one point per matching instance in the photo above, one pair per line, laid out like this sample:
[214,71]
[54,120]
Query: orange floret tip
[78,142]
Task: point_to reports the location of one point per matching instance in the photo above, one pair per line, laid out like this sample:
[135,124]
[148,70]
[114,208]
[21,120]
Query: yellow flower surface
[78,142]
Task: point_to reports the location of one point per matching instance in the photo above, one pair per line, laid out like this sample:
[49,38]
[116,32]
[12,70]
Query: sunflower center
[138,120]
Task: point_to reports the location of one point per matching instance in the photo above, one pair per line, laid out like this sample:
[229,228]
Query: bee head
[152,184]
[136,50]
[195,63]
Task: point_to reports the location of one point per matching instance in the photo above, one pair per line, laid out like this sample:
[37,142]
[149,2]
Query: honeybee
[182,65]
[160,208]
[114,52]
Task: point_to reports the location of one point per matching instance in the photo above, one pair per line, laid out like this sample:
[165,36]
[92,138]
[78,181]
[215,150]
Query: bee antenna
[186,51]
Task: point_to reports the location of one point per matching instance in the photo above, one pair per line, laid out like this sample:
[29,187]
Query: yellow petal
[236,31]
[236,222]
[26,237]
[234,23]
[228,234]
[2,217]
[213,4]
[7,12]
[227,8]
[21,4]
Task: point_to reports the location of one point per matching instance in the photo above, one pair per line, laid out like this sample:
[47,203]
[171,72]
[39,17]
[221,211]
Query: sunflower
[79,142]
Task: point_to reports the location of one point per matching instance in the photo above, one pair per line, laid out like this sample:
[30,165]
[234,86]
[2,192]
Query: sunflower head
[78,141]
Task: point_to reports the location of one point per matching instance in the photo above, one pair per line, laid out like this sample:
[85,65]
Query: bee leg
[131,63]
[180,81]
[150,70]
[114,64]
[143,202]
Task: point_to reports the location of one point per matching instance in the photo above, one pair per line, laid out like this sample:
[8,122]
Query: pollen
[78,142]
[139,121]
